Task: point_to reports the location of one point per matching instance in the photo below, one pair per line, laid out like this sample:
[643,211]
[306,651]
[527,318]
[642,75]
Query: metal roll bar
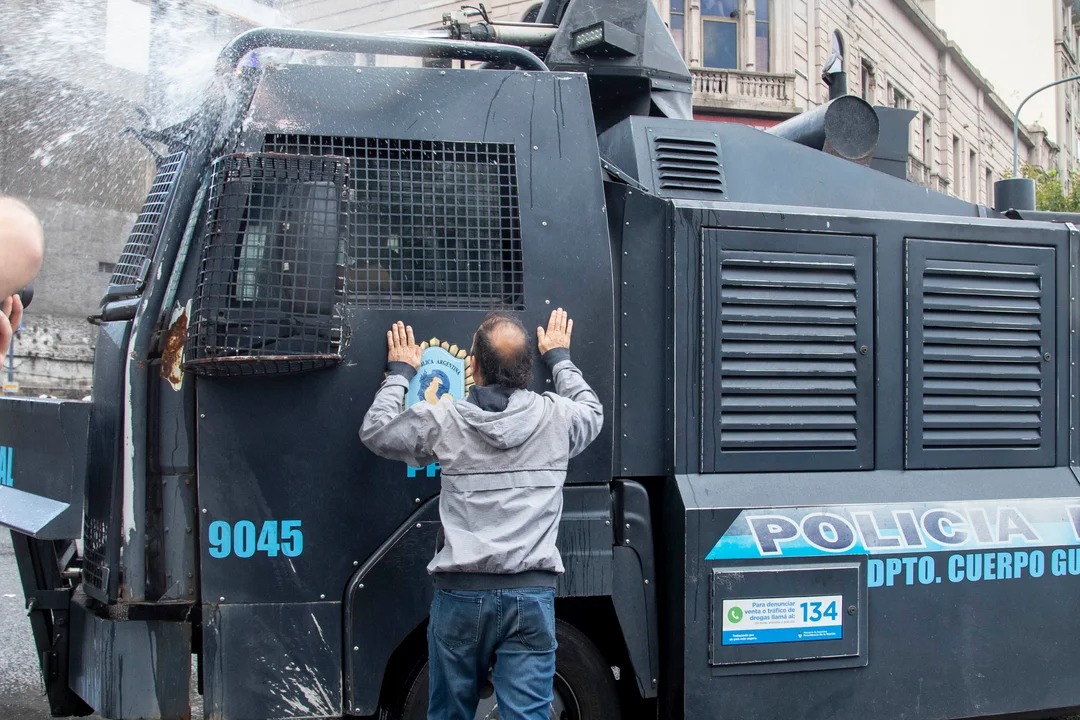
[328,41]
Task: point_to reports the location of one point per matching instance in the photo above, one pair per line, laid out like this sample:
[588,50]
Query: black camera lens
[26,295]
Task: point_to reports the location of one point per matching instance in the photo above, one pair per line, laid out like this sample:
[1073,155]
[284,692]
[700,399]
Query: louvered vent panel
[791,359]
[980,375]
[687,167]
[130,268]
[788,364]
[982,357]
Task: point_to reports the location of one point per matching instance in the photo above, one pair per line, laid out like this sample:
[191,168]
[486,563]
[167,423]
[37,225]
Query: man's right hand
[557,334]
[401,345]
[11,311]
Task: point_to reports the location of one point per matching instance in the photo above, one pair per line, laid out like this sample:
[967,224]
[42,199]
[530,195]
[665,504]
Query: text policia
[919,543]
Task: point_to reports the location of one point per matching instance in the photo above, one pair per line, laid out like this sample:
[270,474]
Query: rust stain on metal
[172,358]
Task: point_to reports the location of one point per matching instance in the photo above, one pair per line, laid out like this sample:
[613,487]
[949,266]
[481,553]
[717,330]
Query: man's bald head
[501,351]
[22,246]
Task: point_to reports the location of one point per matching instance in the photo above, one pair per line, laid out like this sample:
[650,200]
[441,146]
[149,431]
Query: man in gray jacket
[503,453]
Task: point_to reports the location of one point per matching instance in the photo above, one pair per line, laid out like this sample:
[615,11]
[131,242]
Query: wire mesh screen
[129,268]
[95,570]
[432,224]
[272,279]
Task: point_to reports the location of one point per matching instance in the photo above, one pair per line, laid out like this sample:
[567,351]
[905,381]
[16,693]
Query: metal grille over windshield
[432,224]
[271,282]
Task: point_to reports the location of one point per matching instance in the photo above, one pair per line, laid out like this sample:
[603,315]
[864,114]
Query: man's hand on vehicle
[402,345]
[557,334]
[10,318]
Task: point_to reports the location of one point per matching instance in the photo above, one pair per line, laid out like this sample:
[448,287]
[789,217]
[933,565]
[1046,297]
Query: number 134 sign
[758,621]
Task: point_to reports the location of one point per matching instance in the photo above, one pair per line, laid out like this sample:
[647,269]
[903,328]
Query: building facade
[1042,45]
[74,72]
[759,62]
[961,136]
[73,75]
[68,88]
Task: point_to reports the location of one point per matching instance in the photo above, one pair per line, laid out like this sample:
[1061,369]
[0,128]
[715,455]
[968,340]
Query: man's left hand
[11,311]
[559,329]
[402,346]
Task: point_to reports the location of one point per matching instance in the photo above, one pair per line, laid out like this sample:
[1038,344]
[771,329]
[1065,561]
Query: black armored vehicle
[837,474]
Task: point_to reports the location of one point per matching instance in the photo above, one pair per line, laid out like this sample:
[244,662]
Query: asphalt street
[21,692]
[20,684]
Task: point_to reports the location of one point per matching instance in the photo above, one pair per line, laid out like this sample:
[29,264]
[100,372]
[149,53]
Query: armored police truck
[837,477]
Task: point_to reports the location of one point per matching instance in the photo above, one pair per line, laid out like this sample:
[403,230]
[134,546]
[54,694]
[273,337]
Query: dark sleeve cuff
[401,368]
[554,356]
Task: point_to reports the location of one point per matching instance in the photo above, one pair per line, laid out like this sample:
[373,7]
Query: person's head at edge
[501,354]
[22,248]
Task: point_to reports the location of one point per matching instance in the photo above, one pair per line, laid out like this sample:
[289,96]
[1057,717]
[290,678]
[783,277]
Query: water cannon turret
[846,126]
[633,64]
[850,127]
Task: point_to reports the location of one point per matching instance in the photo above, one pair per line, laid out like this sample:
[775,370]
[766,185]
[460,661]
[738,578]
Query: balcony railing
[744,90]
[922,174]
[918,173]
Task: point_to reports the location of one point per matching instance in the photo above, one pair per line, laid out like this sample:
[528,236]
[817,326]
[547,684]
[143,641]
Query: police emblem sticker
[444,369]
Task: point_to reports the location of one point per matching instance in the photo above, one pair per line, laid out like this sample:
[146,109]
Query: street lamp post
[1016,119]
[1018,193]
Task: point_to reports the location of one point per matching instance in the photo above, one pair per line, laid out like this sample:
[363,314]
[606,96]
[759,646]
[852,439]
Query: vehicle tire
[585,687]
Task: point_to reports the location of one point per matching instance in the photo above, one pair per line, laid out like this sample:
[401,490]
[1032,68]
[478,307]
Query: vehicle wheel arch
[593,617]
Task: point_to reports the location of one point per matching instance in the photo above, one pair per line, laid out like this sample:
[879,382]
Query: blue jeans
[471,630]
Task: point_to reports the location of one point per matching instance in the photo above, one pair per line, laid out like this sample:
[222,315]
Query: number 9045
[240,539]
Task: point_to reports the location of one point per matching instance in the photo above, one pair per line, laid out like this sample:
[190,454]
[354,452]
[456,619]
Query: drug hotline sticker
[758,621]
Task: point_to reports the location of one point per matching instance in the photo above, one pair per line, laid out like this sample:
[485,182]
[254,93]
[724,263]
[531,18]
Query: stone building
[759,62]
[961,137]
[66,85]
[1042,44]
[72,73]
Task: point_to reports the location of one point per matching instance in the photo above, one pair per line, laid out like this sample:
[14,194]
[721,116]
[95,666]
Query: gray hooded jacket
[502,470]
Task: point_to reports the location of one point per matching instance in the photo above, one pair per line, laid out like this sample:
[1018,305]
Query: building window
[725,34]
[989,187]
[678,19]
[127,35]
[973,180]
[956,165]
[761,36]
[720,33]
[927,140]
[1069,130]
[866,78]
[898,99]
